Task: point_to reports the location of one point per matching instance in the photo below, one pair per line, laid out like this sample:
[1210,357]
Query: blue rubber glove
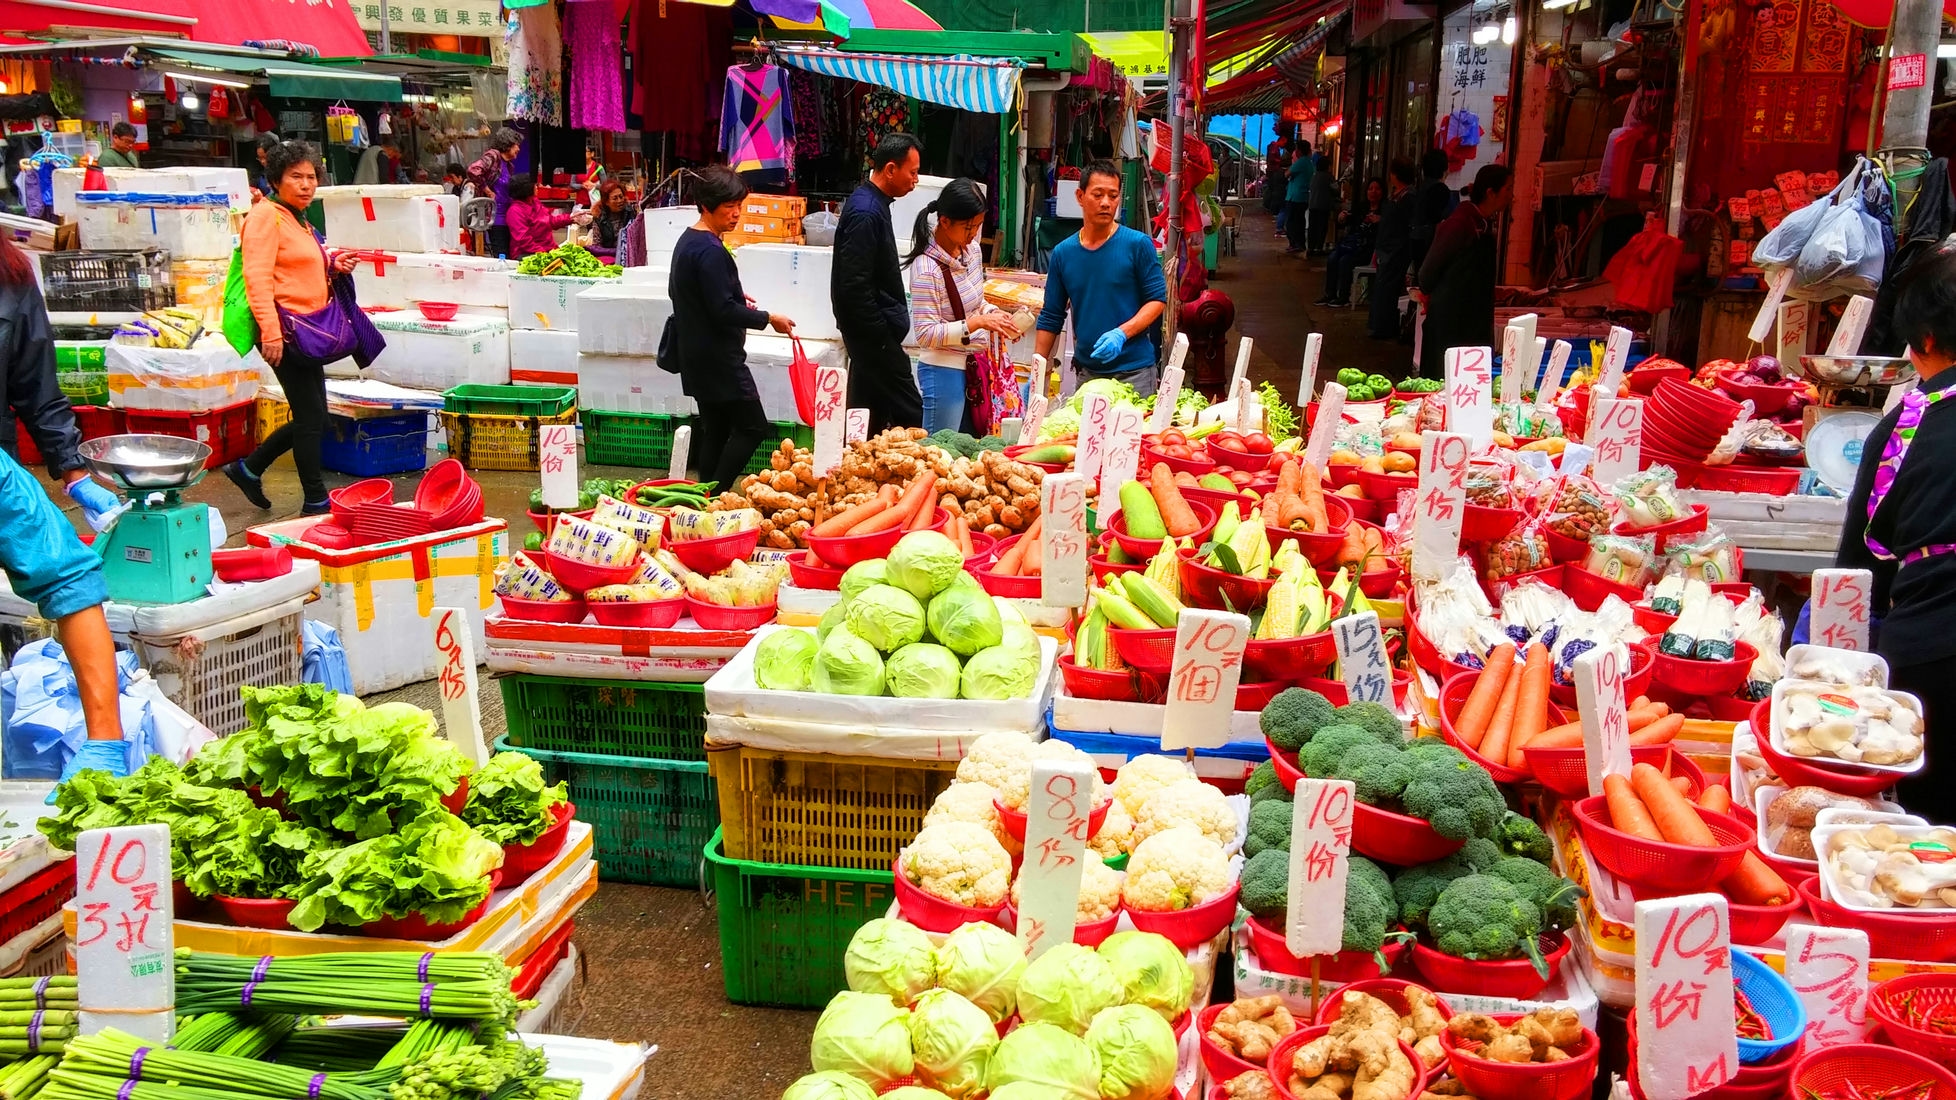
[1108,347]
[97,502]
[108,756]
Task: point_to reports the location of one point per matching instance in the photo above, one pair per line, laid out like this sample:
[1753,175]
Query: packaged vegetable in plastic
[1000,673]
[951,1040]
[1711,557]
[1648,497]
[650,572]
[1762,630]
[1046,1062]
[642,524]
[1066,986]
[1522,550]
[964,619]
[924,563]
[1136,1049]
[1153,972]
[829,1085]
[1625,559]
[847,665]
[785,661]
[922,670]
[523,579]
[580,540]
[625,593]
[890,957]
[982,963]
[886,617]
[865,1035]
[1579,509]
[1488,485]
[863,574]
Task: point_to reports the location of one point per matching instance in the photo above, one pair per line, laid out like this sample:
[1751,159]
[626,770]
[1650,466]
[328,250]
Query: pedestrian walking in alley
[1435,201]
[1274,183]
[489,175]
[1297,198]
[866,290]
[1394,253]
[1459,272]
[1358,229]
[954,329]
[1323,202]
[1107,274]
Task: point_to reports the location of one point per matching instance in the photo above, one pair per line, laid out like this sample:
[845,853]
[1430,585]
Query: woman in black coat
[1459,273]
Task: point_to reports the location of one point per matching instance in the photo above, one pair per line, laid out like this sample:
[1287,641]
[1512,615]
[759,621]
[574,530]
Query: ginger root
[1254,1085]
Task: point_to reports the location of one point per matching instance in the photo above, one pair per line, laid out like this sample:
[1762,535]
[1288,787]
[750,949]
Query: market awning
[326,25]
[1877,14]
[1299,62]
[986,85]
[884,15]
[296,79]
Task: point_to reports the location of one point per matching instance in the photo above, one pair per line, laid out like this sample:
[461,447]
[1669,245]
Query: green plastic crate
[628,438]
[84,387]
[783,929]
[510,400]
[619,717]
[652,817]
[802,434]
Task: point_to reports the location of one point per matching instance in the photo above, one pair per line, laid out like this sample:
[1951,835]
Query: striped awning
[984,84]
[1300,61]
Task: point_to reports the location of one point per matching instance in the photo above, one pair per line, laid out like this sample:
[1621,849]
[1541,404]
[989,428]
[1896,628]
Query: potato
[1399,462]
[1345,458]
[1355,491]
[1503,439]
[1409,441]
[1372,464]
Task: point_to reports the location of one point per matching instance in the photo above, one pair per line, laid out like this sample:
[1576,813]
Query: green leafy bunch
[433,865]
[509,803]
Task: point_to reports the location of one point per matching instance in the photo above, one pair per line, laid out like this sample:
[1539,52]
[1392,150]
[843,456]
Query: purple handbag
[336,330]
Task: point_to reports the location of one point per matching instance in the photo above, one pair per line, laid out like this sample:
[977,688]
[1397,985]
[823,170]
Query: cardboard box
[774,206]
[737,239]
[778,229]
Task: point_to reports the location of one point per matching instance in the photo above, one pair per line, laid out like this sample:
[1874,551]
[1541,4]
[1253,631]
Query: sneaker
[324,507]
[1323,300]
[248,484]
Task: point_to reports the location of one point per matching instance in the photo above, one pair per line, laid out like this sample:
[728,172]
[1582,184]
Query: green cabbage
[863,574]
[1153,972]
[1017,637]
[1060,1065]
[885,616]
[965,620]
[784,659]
[1136,1049]
[865,1035]
[924,563]
[1000,673]
[1020,1090]
[847,665]
[1066,986]
[829,1085]
[982,963]
[921,670]
[835,616]
[952,1040]
[890,957]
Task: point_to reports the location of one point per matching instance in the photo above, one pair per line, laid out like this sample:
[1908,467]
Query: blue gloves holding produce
[98,504]
[1108,347]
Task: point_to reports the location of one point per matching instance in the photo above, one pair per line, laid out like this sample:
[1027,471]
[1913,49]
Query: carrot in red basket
[1673,814]
[1754,883]
[1716,798]
[1471,726]
[1627,812]
[1531,703]
[1494,746]
[839,524]
[1659,732]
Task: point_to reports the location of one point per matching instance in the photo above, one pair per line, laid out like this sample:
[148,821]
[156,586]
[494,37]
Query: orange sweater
[283,264]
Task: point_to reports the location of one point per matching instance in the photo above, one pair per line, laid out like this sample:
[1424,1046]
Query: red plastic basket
[1197,464]
[1869,1068]
[1191,927]
[1151,651]
[414,926]
[1283,1055]
[1658,864]
[1286,658]
[1285,765]
[1645,379]
[520,861]
[546,520]
[40,896]
[1216,498]
[647,614]
[1563,549]
[843,551]
[1115,685]
[1589,590]
[1481,523]
[712,616]
[1318,548]
[1756,925]
[1491,1080]
[1642,665]
[1221,1064]
[709,556]
[1799,770]
[1772,480]
[1208,587]
[805,570]
[544,611]
[933,914]
[1891,935]
[256,912]
[1235,459]
[1014,587]
[1691,677]
[1335,692]
[1142,549]
[1015,820]
[1015,451]
[1514,978]
[1102,569]
[1390,990]
[1396,839]
[1387,487]
[1453,698]
[230,432]
[1377,583]
[1925,993]
[1566,771]
[344,500]
[1693,522]
[1090,934]
[1766,398]
[1253,697]
[581,577]
[1339,968]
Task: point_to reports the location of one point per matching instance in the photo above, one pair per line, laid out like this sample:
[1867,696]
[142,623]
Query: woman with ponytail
[950,319]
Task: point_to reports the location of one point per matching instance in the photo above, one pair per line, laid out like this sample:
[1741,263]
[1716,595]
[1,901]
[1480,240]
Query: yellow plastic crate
[817,810]
[484,441]
[270,414]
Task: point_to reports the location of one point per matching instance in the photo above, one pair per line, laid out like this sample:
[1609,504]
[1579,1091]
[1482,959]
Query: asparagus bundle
[31,1031]
[458,986]
[24,1079]
[54,991]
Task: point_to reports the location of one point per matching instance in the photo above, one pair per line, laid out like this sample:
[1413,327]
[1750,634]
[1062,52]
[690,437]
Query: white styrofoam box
[415,217]
[904,211]
[208,375]
[404,278]
[549,301]
[188,227]
[1066,199]
[792,280]
[621,320]
[647,276]
[541,357]
[630,383]
[435,355]
[233,183]
[662,230]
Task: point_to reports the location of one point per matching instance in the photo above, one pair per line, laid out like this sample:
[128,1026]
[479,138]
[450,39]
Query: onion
[1765,367]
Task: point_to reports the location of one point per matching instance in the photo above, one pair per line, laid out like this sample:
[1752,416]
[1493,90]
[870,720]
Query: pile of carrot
[1297,503]
[911,511]
[1021,559]
[1649,807]
[1508,707]
[1177,518]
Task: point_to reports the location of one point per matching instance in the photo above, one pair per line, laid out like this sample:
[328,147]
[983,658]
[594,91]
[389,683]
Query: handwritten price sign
[1854,324]
[1320,857]
[1470,405]
[1249,415]
[1307,382]
[1442,502]
[1035,418]
[1840,608]
[1618,434]
[461,709]
[1059,800]
[1362,660]
[1123,456]
[1169,393]
[557,464]
[1616,355]
[1324,430]
[1241,374]
[856,426]
[1762,322]
[124,940]
[1063,540]
[1795,326]
[1828,968]
[1096,418]
[831,416]
[1685,1040]
[1599,676]
[1552,375]
[1202,680]
[1514,347]
[682,444]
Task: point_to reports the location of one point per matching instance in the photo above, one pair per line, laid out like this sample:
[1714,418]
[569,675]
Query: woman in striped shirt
[948,312]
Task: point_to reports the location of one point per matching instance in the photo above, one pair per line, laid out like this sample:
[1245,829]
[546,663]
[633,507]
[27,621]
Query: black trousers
[1338,275]
[1320,228]
[1387,285]
[1297,224]
[304,382]
[1931,792]
[880,380]
[725,436]
[498,240]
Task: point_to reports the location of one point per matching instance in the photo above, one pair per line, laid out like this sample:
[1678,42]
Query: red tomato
[1176,450]
[1173,436]
[1258,443]
[1230,440]
[1240,478]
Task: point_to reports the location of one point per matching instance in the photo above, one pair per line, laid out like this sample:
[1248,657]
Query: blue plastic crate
[375,446]
[1225,767]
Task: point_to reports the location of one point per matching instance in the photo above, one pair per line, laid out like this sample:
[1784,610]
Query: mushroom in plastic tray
[1883,866]
[1852,723]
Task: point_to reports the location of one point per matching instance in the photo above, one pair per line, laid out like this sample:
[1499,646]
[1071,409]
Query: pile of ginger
[1360,1057]
[1546,1035]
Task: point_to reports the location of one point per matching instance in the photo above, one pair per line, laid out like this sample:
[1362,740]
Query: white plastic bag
[819,228]
[1846,253]
[1781,246]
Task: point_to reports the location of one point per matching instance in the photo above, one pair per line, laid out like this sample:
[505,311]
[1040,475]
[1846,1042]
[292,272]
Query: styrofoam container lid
[464,324]
[1834,448]
[381,191]
[140,198]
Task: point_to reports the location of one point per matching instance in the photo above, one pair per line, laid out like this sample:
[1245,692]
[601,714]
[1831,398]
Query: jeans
[1145,380]
[1297,224]
[1338,275]
[726,434]
[304,381]
[943,392]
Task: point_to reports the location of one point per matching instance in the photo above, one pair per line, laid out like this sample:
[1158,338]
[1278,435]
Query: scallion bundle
[338,1049]
[440,986]
[105,1065]
[241,1035]
[24,1079]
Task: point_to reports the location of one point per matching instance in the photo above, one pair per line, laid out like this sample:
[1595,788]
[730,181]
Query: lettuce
[509,803]
[434,865]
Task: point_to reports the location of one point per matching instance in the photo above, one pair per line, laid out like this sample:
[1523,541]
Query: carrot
[964,535]
[1682,784]
[1661,732]
[926,515]
[1676,818]
[1471,726]
[1013,560]
[1313,492]
[1531,702]
[840,523]
[1495,745]
[1176,515]
[1717,798]
[1569,734]
[1627,812]
[1033,564]
[907,506]
[1754,883]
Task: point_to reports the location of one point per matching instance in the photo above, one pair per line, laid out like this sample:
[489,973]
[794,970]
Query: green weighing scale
[159,549]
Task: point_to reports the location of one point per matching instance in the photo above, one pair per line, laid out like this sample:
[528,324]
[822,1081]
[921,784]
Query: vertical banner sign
[1202,680]
[125,971]
[1828,969]
[1035,418]
[1619,440]
[1057,805]
[461,707]
[1063,540]
[831,412]
[1324,430]
[1552,375]
[1513,348]
[1599,676]
[1362,659]
[1123,456]
[1762,322]
[1442,502]
[855,426]
[682,445]
[1307,382]
[1249,416]
[1616,355]
[1685,1041]
[1470,404]
[1854,323]
[1795,325]
[1167,396]
[557,464]
[1320,858]
[1242,372]
[1096,416]
[1840,608]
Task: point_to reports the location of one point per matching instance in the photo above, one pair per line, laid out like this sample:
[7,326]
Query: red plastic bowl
[1363,509]
[1283,1056]
[256,912]
[455,800]
[546,520]
[1089,934]
[1563,549]
[1758,924]
[1318,548]
[1235,459]
[1285,659]
[1191,927]
[414,926]
[1251,698]
[1684,397]
[712,616]
[709,556]
[1022,588]
[1656,622]
[1693,522]
[1926,992]
[1285,764]
[438,311]
[1658,864]
[1645,379]
[1807,771]
[1337,475]
[449,494]
[1453,698]
[1396,839]
[1013,452]
[1484,524]
[1221,1064]
[544,611]
[1867,1069]
[655,614]
[1339,968]
[1487,1079]
[1015,820]
[1589,590]
[1766,398]
[1376,583]
[1566,771]
[1515,978]
[1114,686]
[579,577]
[983,546]
[1197,465]
[843,551]
[1150,651]
[1692,677]
[1218,590]
[1143,549]
[1216,498]
[1891,935]
[373,490]
[805,570]
[1642,664]
[933,914]
[520,861]
[1387,487]
[1102,569]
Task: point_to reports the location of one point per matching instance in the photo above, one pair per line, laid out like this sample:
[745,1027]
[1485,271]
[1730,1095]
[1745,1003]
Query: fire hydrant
[1205,319]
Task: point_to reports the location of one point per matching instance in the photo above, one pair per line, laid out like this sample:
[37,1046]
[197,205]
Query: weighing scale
[1834,430]
[159,549]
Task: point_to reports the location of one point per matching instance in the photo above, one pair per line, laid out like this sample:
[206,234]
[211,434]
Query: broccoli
[1294,716]
[1436,750]
[1520,836]
[1379,773]
[1320,755]
[992,443]
[1554,895]
[1417,888]
[1270,824]
[1481,854]
[1266,883]
[1458,800]
[1375,717]
[1270,792]
[1369,907]
[1487,918]
[1261,776]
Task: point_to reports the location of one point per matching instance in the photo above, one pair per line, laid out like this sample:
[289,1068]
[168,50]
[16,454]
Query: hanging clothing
[1644,270]
[536,65]
[811,113]
[597,66]
[1930,218]
[879,112]
[679,50]
[757,120]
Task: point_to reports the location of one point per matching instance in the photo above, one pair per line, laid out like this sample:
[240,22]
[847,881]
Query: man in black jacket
[1433,201]
[867,292]
[1394,253]
[1459,273]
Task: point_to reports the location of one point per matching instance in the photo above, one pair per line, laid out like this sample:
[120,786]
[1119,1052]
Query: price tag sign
[1616,355]
[682,445]
[1362,660]
[1063,540]
[1537,347]
[1442,502]
[1320,858]
[1123,456]
[1685,1007]
[1795,325]
[1034,419]
[1202,680]
[1096,417]
[1618,435]
[1248,414]
[557,464]
[1324,430]
[1828,969]
[1168,394]
[1762,322]
[1514,342]
[1526,323]
[855,426]
[461,709]
[1057,805]
[1307,382]
[1840,608]
[1552,375]
[1470,402]
[1599,676]
[125,972]
[831,412]
[1854,323]
[1242,372]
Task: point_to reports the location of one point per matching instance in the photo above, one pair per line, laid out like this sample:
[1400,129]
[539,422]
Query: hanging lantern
[1296,110]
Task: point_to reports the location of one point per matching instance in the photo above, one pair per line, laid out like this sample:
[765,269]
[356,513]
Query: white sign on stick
[1307,381]
[1320,858]
[1537,348]
[1854,324]
[1057,805]
[1202,680]
[1010,428]
[1362,660]
[1686,1043]
[1828,969]
[1442,503]
[557,465]
[1248,415]
[1527,322]
[1599,676]
[1619,439]
[1551,379]
[461,707]
[1795,326]
[124,940]
[1242,372]
[1063,540]
[1762,322]
[1035,418]
[831,413]
[682,446]
[1616,356]
[1167,396]
[856,426]
[1324,430]
[1123,457]
[1469,396]
[1840,608]
[1096,416]
[1514,344]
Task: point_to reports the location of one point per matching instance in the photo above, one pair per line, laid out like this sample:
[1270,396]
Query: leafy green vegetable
[1279,419]
[433,865]
[568,259]
[509,803]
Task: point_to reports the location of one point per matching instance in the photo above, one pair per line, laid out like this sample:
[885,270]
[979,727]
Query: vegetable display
[509,802]
[568,259]
[1359,1057]
[1545,1035]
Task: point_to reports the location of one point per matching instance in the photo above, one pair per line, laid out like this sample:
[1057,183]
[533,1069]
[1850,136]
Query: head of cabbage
[982,963]
[1000,673]
[885,616]
[1136,1050]
[865,1035]
[890,957]
[1066,986]
[829,1085]
[847,665]
[785,659]
[1153,972]
[836,615]
[1055,1061]
[952,1040]
[924,563]
[1014,635]
[922,670]
[965,620]
[863,574]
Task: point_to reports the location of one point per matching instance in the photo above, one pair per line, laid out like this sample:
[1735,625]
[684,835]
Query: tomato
[1173,437]
[1240,478]
[1177,450]
[1231,440]
[1282,459]
[1258,443]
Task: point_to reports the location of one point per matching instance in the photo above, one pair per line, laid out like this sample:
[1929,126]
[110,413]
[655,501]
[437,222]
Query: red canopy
[1877,14]
[327,25]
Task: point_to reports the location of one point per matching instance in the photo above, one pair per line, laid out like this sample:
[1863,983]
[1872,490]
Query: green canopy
[295,79]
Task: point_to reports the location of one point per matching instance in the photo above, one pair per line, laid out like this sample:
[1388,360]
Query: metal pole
[1178,56]
[1912,35]
[386,38]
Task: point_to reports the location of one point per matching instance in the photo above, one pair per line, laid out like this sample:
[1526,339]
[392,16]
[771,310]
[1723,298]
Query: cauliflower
[1143,776]
[1116,835]
[958,861]
[971,802]
[1175,869]
[1100,892]
[1191,803]
[995,758]
[1016,787]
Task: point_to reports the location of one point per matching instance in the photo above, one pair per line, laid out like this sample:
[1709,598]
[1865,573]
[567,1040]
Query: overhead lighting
[1557,5]
[219,81]
[189,100]
[1508,31]
[1485,33]
[1946,50]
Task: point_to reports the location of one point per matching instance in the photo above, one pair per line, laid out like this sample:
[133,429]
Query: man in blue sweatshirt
[1111,278]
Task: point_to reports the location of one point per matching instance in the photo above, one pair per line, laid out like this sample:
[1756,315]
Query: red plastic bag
[801,375]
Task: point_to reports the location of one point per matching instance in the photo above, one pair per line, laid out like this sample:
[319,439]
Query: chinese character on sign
[1438,506]
[1908,71]
[441,16]
[420,15]
[1676,999]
